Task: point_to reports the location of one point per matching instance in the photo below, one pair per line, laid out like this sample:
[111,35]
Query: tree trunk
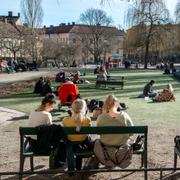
[146,57]
[96,58]
[14,54]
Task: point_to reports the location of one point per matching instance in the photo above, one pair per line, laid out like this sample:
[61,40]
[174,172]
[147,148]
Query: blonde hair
[79,110]
[110,101]
[170,88]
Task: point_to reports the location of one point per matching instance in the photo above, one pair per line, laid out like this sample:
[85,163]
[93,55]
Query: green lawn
[142,112]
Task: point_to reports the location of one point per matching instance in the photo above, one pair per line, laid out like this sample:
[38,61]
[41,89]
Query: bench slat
[92,130]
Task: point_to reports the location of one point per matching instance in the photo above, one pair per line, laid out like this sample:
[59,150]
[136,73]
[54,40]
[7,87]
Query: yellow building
[110,43]
[164,44]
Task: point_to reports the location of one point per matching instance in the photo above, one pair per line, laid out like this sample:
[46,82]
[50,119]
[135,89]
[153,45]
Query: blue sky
[59,11]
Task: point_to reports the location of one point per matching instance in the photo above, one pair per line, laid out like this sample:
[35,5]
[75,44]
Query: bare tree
[177,12]
[149,15]
[60,53]
[32,12]
[32,17]
[11,38]
[96,34]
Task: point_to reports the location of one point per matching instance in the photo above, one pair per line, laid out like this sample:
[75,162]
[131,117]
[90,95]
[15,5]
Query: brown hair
[79,109]
[48,99]
[110,101]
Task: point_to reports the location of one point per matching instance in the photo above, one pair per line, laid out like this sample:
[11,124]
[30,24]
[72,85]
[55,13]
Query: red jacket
[66,90]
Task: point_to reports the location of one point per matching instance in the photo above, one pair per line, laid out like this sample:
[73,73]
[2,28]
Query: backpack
[94,103]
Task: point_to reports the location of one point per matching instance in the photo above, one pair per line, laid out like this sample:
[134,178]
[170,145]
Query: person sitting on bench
[102,76]
[42,116]
[78,120]
[96,70]
[166,95]
[113,150]
[68,92]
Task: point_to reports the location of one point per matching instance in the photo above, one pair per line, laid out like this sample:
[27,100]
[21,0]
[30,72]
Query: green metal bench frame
[176,152]
[25,131]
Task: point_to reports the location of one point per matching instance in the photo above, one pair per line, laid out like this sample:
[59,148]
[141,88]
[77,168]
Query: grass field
[142,112]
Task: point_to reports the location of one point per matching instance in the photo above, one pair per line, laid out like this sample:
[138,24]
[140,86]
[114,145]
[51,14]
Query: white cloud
[171,4]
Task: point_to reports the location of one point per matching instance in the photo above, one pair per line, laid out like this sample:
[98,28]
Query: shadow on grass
[54,114]
[135,97]
[22,95]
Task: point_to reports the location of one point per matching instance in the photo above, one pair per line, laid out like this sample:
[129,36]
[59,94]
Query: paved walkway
[9,114]
[21,76]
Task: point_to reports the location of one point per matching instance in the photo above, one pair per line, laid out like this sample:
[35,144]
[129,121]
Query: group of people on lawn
[167,93]
[74,77]
[111,115]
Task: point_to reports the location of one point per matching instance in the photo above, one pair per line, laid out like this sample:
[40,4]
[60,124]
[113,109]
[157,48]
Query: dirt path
[23,76]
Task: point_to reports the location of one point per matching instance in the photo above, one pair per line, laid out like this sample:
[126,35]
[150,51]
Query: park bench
[177,75]
[118,81]
[176,150]
[25,131]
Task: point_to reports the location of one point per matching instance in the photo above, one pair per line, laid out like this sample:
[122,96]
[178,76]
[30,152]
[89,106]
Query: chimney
[19,15]
[69,24]
[10,13]
[44,26]
[73,23]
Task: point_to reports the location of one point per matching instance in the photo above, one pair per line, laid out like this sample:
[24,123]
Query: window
[91,41]
[74,40]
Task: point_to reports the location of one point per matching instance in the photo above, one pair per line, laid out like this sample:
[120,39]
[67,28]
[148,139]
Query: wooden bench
[112,81]
[25,131]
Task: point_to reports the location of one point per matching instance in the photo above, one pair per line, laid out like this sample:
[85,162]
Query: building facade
[92,43]
[10,18]
[165,44]
[66,43]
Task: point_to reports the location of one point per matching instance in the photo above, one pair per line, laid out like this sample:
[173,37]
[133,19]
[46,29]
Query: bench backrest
[93,130]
